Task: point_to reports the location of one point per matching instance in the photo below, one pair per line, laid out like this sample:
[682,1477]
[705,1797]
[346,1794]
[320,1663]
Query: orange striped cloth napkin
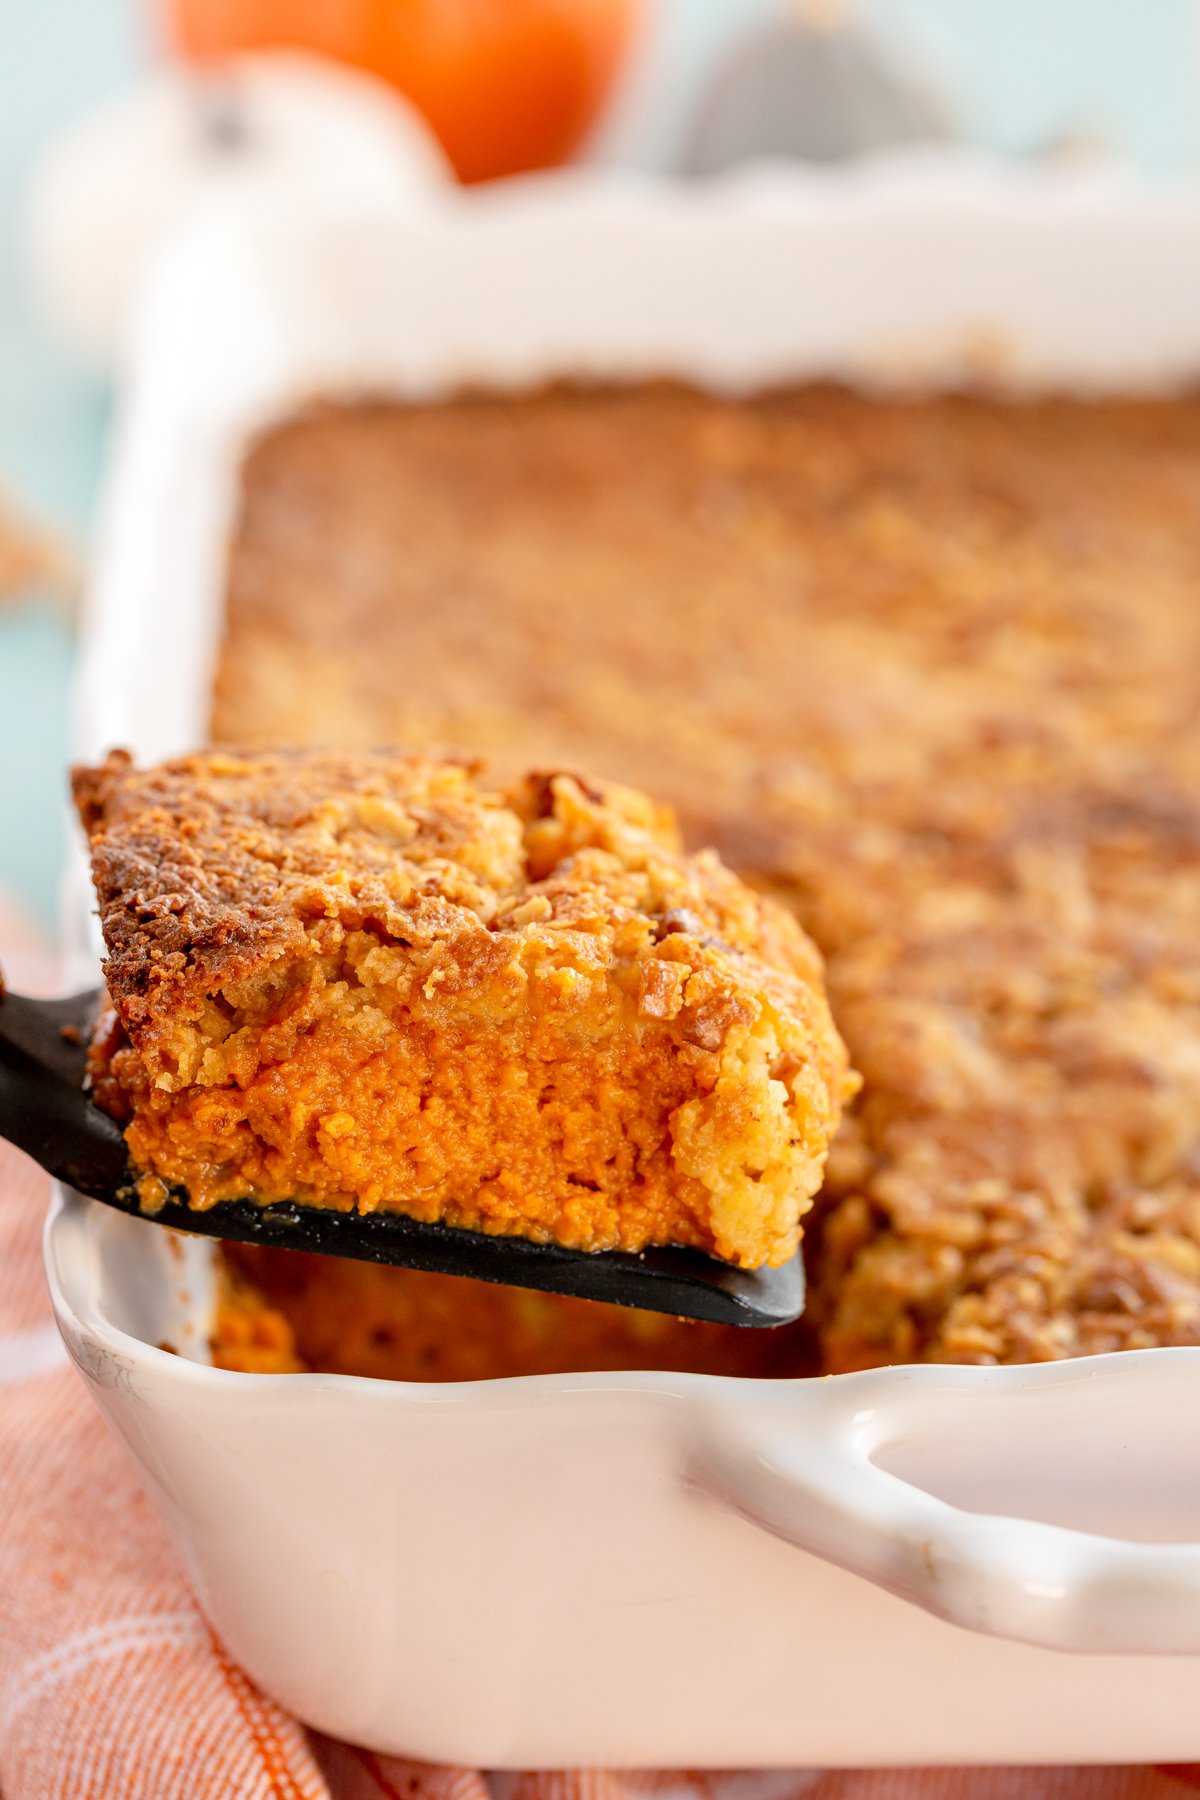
[112,1686]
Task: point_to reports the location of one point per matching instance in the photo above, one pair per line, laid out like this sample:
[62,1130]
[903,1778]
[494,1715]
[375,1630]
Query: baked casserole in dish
[928,671]
[596,476]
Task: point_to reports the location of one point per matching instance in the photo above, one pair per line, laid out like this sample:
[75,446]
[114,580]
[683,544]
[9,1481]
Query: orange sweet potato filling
[281,1311]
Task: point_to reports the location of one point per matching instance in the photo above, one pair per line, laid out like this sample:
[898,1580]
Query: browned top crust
[212,867]
[931,667]
[208,867]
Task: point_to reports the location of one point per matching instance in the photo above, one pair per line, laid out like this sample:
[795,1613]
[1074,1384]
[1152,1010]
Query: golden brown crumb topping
[931,670]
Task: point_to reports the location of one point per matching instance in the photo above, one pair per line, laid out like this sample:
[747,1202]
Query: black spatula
[45,1111]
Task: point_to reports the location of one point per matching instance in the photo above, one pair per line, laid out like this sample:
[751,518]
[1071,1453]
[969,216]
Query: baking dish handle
[799,1461]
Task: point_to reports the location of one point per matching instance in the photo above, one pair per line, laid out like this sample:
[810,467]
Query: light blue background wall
[1025,72]
[56,56]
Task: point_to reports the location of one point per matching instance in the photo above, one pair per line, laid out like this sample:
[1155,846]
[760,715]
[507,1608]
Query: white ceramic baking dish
[649,1569]
[928,1564]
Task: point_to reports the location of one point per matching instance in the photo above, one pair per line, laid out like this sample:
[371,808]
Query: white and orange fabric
[112,1686]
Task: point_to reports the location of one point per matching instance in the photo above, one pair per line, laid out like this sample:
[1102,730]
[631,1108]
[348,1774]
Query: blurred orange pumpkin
[507,85]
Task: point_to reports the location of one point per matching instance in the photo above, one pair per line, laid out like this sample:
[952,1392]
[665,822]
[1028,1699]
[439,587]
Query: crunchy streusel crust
[930,669]
[368,980]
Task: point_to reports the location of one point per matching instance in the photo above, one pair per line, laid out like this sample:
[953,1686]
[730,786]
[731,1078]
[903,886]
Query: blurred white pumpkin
[271,125]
